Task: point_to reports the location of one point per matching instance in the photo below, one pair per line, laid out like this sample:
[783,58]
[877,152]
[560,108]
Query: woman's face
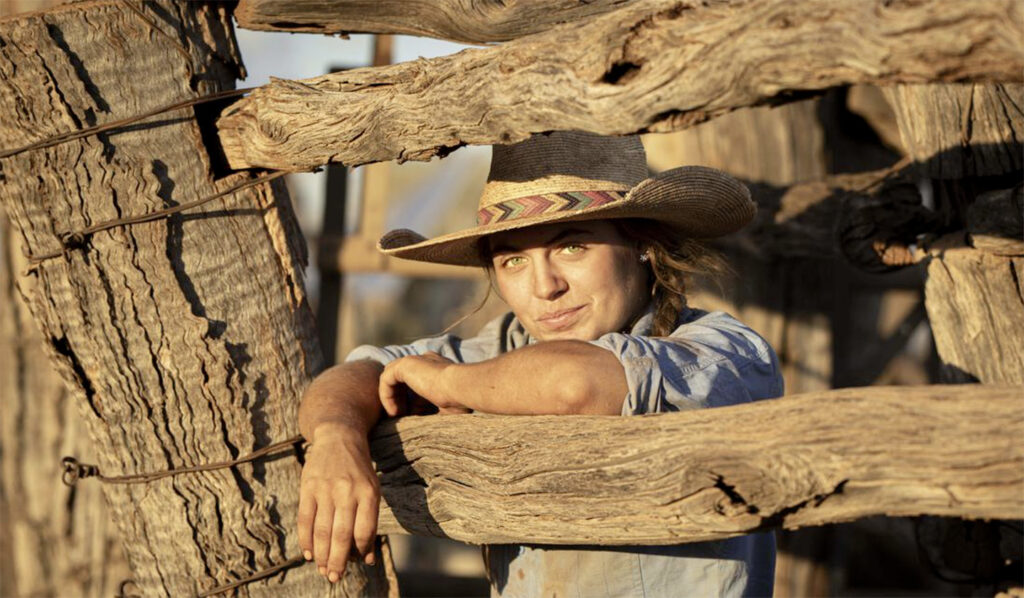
[570,281]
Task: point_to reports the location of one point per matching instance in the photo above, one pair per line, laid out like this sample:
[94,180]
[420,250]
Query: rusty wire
[76,239]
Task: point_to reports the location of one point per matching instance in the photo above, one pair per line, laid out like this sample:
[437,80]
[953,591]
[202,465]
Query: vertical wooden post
[370,224]
[56,541]
[185,340]
[965,140]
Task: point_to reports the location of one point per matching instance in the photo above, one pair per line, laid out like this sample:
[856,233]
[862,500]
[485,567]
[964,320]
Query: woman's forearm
[342,397]
[556,377]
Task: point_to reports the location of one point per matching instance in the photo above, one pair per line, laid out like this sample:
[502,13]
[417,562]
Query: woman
[590,256]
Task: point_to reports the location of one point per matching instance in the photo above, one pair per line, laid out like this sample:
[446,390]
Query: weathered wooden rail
[803,460]
[651,66]
[469,21]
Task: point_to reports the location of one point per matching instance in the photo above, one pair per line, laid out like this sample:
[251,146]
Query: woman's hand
[339,498]
[405,383]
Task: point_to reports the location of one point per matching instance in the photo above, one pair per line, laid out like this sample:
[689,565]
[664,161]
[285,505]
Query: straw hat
[569,176]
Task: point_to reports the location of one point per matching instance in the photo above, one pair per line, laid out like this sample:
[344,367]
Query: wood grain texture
[56,541]
[706,474]
[975,302]
[652,66]
[470,21]
[961,131]
[183,341]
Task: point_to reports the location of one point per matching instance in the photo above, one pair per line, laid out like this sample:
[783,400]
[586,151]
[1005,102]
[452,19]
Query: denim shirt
[709,360]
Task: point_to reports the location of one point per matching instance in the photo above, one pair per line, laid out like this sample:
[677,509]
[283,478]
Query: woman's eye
[573,248]
[512,262]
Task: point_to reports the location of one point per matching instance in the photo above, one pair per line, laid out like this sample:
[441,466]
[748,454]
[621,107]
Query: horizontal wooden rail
[457,20]
[806,459]
[651,66]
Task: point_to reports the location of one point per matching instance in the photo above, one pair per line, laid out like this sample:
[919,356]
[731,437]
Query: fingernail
[370,560]
[307,555]
[322,570]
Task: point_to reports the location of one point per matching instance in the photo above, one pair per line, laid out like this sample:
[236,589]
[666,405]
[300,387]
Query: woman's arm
[554,377]
[339,494]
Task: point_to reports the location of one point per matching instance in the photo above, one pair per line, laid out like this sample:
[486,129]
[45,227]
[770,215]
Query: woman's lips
[562,319]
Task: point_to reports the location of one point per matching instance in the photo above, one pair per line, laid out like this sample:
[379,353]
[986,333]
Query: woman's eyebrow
[569,232]
[559,236]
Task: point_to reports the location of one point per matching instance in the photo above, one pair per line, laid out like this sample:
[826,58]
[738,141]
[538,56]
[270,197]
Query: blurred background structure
[833,324]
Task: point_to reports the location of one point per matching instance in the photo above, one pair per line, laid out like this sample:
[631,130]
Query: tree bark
[57,541]
[470,21]
[186,340]
[653,66]
[975,302]
[961,131]
[967,139]
[706,474]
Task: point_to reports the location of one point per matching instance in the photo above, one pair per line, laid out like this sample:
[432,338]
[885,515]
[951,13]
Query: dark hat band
[548,203]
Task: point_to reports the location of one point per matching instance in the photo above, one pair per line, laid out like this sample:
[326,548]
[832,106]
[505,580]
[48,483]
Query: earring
[644,258]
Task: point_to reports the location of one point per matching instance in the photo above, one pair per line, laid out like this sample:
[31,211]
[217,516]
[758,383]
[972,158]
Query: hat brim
[697,201]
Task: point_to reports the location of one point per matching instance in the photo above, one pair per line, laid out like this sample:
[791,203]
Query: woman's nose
[548,282]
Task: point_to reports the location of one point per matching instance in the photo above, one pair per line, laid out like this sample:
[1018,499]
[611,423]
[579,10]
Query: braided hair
[672,261]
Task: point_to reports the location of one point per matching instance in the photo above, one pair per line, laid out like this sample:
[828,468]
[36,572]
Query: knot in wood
[74,471]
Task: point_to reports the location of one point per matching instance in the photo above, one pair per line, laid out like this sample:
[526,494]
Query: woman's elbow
[589,396]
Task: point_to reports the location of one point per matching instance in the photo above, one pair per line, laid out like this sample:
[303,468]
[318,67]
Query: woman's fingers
[323,525]
[341,535]
[364,532]
[338,502]
[388,390]
[307,517]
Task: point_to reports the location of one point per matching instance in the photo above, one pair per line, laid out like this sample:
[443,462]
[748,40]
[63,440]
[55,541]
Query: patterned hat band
[548,203]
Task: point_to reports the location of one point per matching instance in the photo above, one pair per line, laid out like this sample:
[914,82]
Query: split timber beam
[707,474]
[466,21]
[651,66]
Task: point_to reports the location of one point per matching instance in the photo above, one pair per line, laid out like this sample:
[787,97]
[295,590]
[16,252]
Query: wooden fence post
[965,140]
[56,541]
[186,339]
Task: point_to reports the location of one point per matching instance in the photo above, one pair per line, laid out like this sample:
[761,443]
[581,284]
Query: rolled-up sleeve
[485,345]
[444,345]
[697,366]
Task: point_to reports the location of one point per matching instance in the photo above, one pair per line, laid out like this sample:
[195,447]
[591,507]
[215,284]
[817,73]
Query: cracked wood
[807,459]
[652,66]
[183,341]
[470,21]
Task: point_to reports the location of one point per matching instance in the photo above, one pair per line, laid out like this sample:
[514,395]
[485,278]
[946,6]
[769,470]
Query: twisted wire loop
[74,471]
[77,239]
[122,591]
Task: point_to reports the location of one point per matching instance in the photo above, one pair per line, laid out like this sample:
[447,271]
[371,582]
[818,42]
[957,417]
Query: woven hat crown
[563,162]
[574,176]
